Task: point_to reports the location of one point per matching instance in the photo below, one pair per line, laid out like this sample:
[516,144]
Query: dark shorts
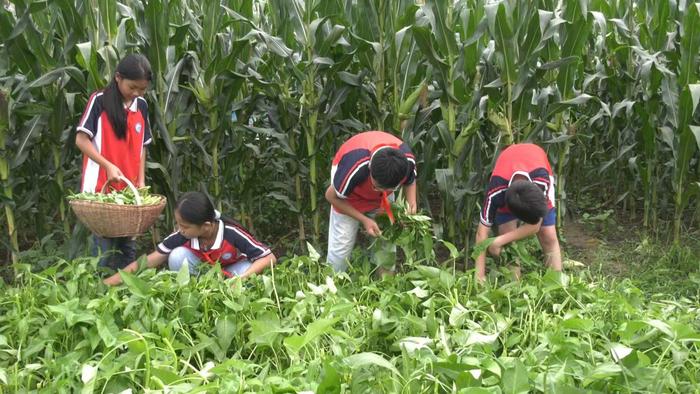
[114,253]
[549,220]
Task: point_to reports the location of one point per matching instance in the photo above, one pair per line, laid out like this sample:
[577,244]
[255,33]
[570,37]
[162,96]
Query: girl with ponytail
[113,134]
[205,237]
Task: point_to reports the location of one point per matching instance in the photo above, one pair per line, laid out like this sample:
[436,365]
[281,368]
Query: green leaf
[560,106]
[481,247]
[515,380]
[107,329]
[454,252]
[695,130]
[331,380]
[576,324]
[502,33]
[423,38]
[362,360]
[225,331]
[317,328]
[532,40]
[602,372]
[135,284]
[156,13]
[690,45]
[266,329]
[108,19]
[619,351]
[183,275]
[313,254]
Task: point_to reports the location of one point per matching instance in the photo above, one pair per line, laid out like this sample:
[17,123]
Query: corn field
[251,98]
[249,102]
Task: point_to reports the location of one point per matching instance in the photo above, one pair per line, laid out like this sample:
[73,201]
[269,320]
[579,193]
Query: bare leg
[506,228]
[381,272]
[550,246]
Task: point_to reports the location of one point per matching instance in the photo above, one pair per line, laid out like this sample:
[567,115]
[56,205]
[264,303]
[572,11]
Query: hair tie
[217,215]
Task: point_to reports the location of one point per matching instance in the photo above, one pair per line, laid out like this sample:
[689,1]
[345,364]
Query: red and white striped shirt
[124,153]
[528,160]
[350,168]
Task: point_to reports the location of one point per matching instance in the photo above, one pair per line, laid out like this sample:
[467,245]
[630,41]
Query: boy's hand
[495,249]
[371,227]
[113,280]
[412,209]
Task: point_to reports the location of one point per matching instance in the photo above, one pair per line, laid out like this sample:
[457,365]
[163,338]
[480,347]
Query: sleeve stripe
[353,172]
[248,238]
[488,206]
[161,248]
[258,257]
[86,131]
[88,111]
[415,169]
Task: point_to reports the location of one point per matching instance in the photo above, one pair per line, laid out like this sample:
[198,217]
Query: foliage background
[251,99]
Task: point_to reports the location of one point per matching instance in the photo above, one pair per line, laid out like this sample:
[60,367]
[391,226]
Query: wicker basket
[113,220]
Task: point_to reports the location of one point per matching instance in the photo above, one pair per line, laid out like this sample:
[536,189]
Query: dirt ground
[588,245]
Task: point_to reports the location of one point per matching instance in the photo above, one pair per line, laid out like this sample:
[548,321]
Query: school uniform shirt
[233,244]
[125,154]
[528,160]
[350,168]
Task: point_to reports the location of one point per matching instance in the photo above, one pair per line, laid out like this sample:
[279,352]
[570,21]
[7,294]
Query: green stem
[313,187]
[299,197]
[380,69]
[214,128]
[59,181]
[563,153]
[5,174]
[11,230]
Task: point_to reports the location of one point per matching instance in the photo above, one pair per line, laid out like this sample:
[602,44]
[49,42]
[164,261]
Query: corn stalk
[5,173]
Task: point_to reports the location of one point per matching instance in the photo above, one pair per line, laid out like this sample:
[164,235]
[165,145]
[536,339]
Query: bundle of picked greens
[413,234]
[121,197]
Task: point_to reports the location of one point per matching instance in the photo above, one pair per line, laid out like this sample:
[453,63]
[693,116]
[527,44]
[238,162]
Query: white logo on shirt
[226,256]
[138,127]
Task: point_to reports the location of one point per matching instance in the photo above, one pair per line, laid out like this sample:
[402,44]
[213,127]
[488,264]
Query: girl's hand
[371,227]
[113,173]
[236,283]
[113,280]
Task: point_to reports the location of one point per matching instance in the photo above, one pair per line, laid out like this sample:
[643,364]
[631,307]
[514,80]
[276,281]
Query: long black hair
[133,67]
[196,208]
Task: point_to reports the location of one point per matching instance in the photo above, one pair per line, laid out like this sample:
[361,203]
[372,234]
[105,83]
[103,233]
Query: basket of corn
[125,213]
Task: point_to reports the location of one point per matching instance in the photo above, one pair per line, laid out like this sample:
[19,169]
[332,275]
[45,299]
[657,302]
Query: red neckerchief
[386,205]
[207,257]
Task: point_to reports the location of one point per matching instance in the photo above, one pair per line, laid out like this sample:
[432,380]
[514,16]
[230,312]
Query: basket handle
[131,186]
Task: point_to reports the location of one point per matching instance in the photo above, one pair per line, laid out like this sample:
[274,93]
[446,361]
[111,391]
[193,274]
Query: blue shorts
[549,220]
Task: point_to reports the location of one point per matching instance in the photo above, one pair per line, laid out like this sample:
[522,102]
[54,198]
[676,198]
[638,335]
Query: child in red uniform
[365,172]
[203,236]
[521,188]
[113,134]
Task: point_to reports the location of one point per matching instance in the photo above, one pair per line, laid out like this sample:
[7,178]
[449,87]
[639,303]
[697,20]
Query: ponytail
[196,208]
[133,67]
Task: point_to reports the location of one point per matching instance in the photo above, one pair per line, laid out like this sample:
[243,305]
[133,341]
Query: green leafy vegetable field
[298,329]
